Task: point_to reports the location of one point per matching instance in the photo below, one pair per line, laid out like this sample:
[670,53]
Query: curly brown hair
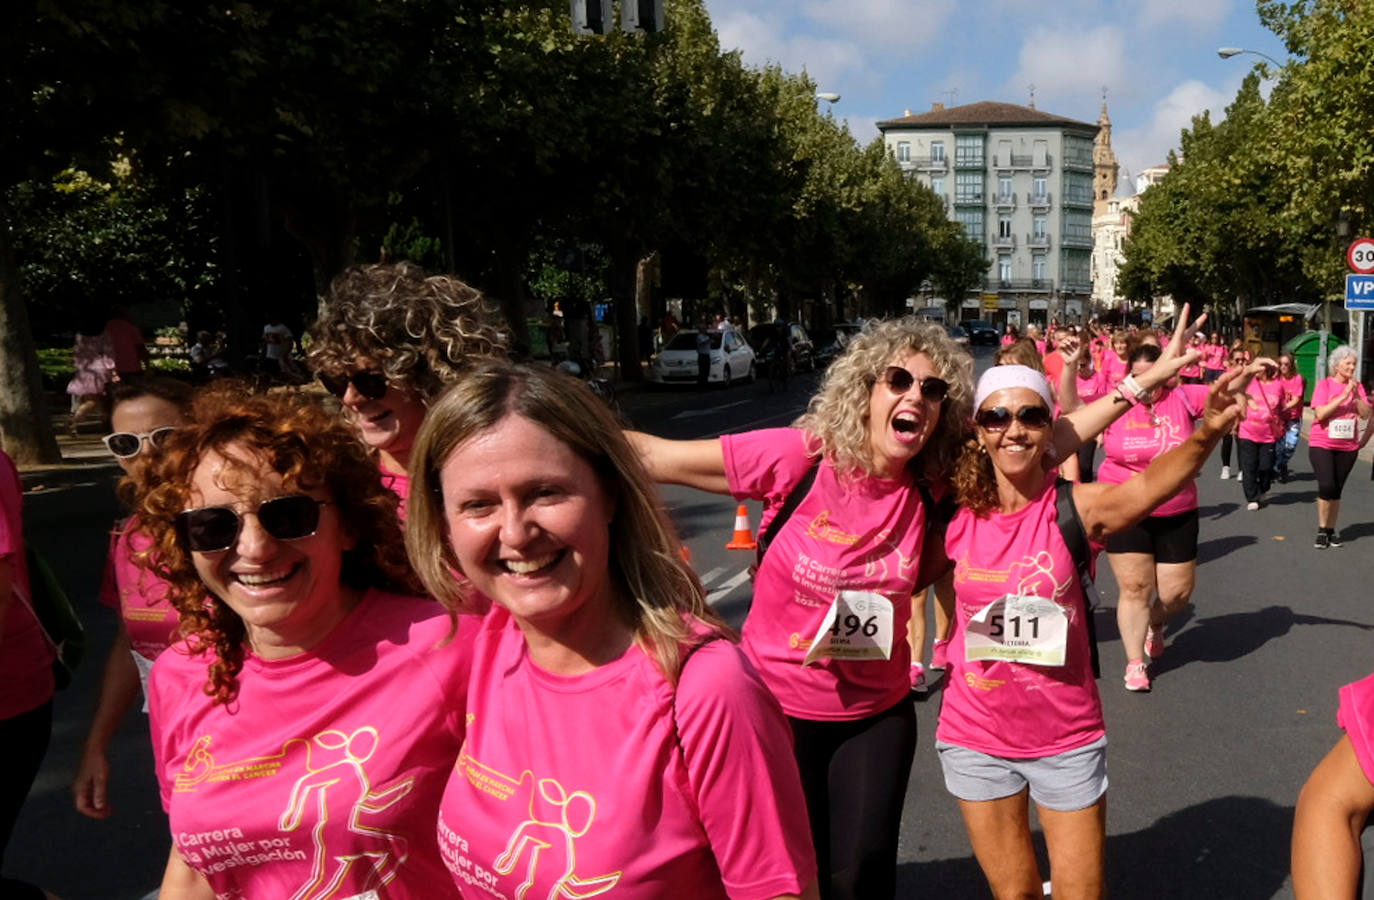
[1021,353]
[295,435]
[975,482]
[422,331]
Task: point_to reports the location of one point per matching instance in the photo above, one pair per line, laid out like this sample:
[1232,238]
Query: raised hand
[1226,401]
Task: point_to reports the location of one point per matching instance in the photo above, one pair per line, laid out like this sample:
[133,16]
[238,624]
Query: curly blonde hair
[659,595]
[837,416]
[422,331]
[296,436]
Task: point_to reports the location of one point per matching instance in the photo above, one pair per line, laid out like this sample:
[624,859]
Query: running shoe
[1252,505]
[1322,541]
[1333,538]
[918,677]
[939,654]
[1225,473]
[1137,676]
[1154,642]
[1239,476]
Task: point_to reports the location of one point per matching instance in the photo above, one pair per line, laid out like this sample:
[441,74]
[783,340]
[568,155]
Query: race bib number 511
[1019,628]
[858,625]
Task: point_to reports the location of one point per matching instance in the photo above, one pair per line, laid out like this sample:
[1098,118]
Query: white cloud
[1149,145]
[887,23]
[1069,67]
[864,128]
[1194,13]
[835,64]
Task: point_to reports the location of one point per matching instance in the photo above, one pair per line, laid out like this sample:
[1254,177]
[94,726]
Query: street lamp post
[1228,52]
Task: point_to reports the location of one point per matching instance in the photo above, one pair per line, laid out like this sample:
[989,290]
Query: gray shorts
[1065,782]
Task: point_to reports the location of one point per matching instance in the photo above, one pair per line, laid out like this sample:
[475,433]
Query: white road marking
[713,575]
[721,592]
[710,411]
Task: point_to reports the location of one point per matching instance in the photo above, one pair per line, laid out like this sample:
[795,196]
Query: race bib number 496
[857,626]
[1019,628]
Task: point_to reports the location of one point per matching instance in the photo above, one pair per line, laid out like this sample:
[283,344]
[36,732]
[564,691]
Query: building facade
[1021,182]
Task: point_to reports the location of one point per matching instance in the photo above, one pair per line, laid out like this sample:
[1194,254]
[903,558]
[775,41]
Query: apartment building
[1022,182]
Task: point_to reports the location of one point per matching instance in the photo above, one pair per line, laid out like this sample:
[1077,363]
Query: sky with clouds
[1156,58]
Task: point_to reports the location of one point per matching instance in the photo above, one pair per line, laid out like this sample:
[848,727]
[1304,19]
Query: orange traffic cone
[744,537]
[685,553]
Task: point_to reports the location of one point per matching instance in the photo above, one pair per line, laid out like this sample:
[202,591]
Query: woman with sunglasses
[1339,404]
[885,428]
[1021,719]
[1237,356]
[390,338]
[1294,390]
[146,412]
[619,743]
[1259,430]
[305,727]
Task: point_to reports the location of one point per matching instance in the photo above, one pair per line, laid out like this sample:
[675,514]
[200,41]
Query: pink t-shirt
[1192,370]
[1008,340]
[1144,432]
[139,595]
[1293,386]
[127,342]
[1214,356]
[1327,390]
[579,786]
[323,778]
[26,680]
[860,536]
[1113,367]
[1356,716]
[1093,387]
[1054,367]
[1013,709]
[399,484]
[1263,422]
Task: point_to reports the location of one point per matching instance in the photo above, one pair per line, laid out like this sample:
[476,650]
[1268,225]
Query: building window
[938,186]
[1004,186]
[1078,224]
[968,187]
[937,151]
[1040,188]
[1004,268]
[1040,226]
[968,149]
[903,151]
[1078,187]
[972,220]
[1004,226]
[1038,266]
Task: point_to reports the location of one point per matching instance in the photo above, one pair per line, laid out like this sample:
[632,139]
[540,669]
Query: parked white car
[732,359]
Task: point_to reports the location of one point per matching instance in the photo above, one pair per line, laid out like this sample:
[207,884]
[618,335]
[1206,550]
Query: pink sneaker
[1137,676]
[1154,642]
[918,678]
[939,658]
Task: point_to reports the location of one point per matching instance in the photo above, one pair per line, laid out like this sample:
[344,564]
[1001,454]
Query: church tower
[1105,166]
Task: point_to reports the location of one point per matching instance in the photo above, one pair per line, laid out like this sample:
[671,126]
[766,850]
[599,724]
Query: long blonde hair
[659,594]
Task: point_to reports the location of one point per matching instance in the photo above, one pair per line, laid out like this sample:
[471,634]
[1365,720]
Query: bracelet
[1131,390]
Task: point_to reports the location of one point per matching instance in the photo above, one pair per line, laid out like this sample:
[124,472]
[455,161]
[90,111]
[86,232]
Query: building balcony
[1077,242]
[928,163]
[1076,286]
[1078,201]
[1002,241]
[1078,163]
[1039,201]
[1038,241]
[968,199]
[970,161]
[1019,285]
[1005,202]
[1010,162]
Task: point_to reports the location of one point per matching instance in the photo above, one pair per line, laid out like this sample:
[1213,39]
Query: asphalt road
[1204,770]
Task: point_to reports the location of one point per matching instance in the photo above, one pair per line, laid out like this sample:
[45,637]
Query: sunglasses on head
[372,385]
[126,444]
[899,381]
[998,418]
[211,529]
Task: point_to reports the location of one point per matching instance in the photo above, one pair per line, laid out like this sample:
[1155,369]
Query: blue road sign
[1359,292]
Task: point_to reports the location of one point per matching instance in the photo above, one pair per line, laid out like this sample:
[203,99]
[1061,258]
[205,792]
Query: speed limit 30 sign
[1360,256]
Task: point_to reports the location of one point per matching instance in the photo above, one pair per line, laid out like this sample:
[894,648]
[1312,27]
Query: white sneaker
[1239,475]
[1252,505]
[1225,473]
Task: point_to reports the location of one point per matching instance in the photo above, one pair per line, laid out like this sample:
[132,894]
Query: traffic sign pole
[1360,257]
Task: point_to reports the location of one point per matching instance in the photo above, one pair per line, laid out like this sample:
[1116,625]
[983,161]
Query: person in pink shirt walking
[1339,404]
[1294,390]
[619,743]
[129,349]
[1021,720]
[390,339]
[146,412]
[1259,430]
[305,726]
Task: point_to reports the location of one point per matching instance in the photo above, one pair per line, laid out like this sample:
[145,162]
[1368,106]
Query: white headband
[1000,378]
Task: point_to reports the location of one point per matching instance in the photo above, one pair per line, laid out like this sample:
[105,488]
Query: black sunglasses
[998,418]
[211,529]
[126,444]
[899,381]
[371,385]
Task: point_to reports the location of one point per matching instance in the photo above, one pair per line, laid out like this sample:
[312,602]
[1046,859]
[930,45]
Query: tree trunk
[510,281]
[25,428]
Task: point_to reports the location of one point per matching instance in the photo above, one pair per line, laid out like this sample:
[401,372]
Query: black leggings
[1256,466]
[1085,461]
[854,775]
[1226,441]
[1332,468]
[25,739]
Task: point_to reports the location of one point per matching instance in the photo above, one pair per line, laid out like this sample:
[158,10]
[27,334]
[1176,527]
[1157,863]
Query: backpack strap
[1076,538]
[677,733]
[789,506]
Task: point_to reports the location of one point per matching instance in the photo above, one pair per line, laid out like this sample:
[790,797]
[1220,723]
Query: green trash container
[1305,348]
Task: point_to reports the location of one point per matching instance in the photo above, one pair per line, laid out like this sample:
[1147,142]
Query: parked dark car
[957,334]
[803,351]
[980,331]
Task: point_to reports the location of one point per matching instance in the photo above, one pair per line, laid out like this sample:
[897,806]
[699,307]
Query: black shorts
[1169,539]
